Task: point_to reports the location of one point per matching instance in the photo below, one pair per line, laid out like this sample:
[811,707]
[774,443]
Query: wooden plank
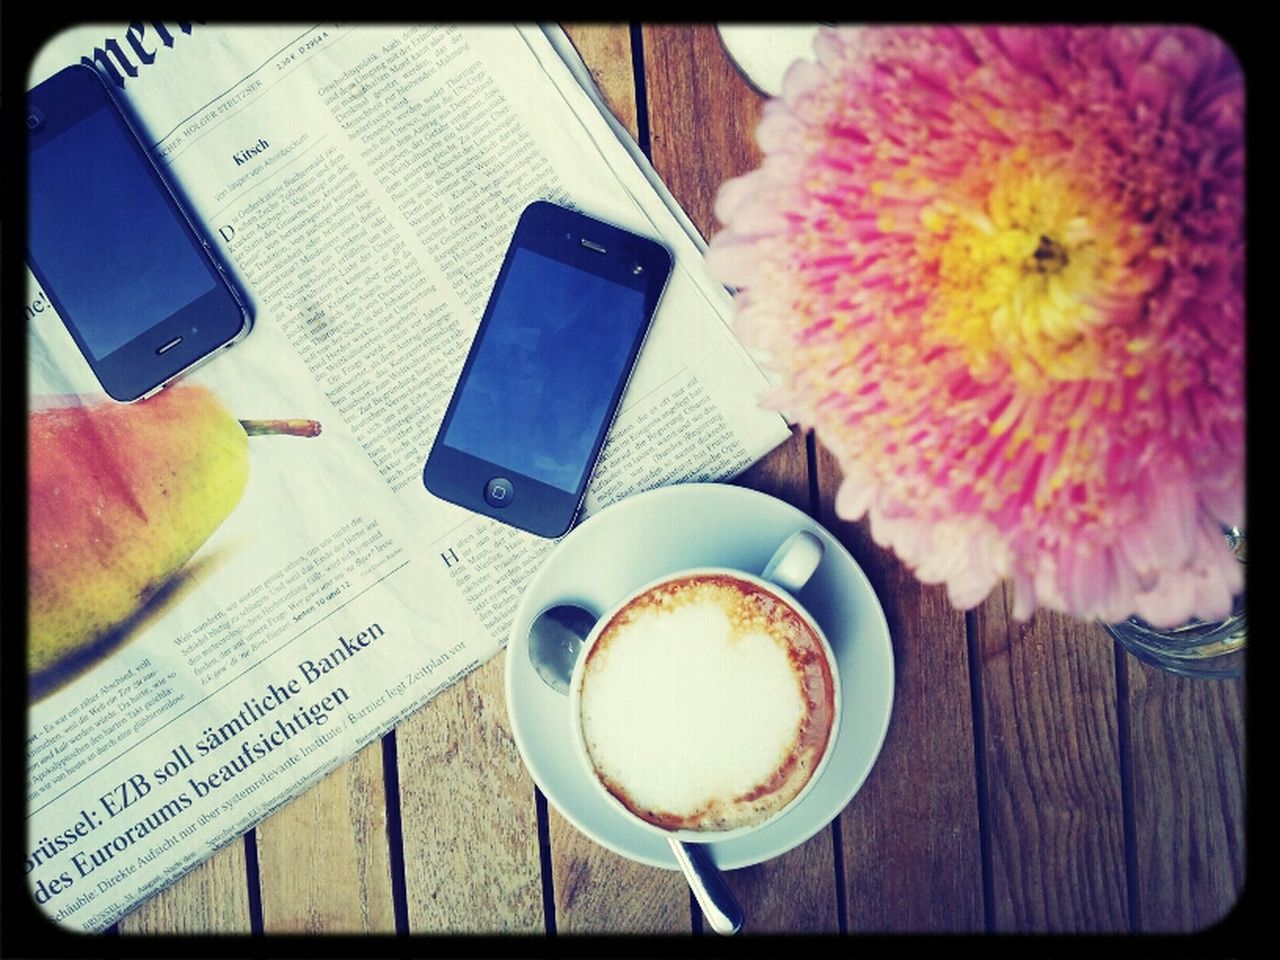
[702,115]
[323,859]
[784,473]
[606,50]
[792,893]
[695,96]
[595,890]
[910,837]
[211,898]
[470,828]
[1188,747]
[599,892]
[1053,773]
[796,892]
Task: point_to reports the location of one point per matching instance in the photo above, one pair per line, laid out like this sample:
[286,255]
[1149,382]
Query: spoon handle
[719,905]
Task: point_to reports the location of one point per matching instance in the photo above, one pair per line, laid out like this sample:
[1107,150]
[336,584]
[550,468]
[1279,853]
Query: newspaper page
[361,183]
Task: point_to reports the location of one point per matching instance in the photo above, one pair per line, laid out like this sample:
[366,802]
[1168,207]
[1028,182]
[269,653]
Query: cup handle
[795,561]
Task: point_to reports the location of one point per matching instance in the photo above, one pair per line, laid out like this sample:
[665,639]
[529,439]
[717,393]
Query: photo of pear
[119,498]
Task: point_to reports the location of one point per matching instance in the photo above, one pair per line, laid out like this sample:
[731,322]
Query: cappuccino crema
[706,703]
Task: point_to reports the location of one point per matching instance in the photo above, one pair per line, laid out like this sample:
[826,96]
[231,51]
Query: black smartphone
[109,241]
[547,370]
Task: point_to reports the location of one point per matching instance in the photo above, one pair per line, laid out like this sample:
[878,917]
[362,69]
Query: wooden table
[1034,779]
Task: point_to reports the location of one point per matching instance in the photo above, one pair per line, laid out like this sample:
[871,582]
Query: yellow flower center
[1027,270]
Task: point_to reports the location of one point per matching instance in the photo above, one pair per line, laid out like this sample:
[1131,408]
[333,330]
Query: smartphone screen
[547,369]
[112,248]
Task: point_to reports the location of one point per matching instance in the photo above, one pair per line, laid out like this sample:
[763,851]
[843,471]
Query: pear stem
[292,428]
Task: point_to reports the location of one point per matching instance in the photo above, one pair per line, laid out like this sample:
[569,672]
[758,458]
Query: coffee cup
[705,704]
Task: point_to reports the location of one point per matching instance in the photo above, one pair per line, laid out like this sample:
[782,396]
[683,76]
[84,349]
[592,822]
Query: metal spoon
[554,641]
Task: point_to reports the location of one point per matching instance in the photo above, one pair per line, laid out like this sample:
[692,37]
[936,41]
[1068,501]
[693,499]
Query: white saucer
[765,51]
[659,532]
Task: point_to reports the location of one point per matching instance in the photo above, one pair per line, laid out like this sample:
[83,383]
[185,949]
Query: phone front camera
[637,268]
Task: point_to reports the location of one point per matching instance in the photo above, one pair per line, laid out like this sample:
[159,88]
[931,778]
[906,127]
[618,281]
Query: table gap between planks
[1034,779]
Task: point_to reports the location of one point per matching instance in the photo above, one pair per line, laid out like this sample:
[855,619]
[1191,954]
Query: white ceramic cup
[793,563]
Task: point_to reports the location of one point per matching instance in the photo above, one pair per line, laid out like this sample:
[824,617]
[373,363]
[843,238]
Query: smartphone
[117,255]
[546,372]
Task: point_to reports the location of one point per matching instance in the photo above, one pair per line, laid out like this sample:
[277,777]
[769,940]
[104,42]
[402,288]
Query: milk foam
[694,702]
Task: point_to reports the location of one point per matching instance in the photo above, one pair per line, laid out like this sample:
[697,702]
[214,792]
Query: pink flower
[1000,273]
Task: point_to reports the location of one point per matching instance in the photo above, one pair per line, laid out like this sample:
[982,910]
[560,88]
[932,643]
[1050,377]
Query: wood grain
[702,120]
[470,829]
[599,892]
[910,837]
[595,890]
[784,473]
[211,898]
[1188,743]
[606,50]
[796,892]
[1053,773]
[702,116]
[323,859]
[792,893]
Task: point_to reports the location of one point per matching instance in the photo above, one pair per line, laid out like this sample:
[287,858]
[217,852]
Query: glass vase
[1209,649]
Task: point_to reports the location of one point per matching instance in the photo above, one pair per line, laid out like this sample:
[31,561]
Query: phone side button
[498,492]
[166,347]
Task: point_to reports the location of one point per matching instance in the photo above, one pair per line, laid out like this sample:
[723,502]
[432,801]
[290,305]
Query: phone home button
[498,492]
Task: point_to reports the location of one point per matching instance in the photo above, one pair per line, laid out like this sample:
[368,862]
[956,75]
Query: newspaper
[361,182]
